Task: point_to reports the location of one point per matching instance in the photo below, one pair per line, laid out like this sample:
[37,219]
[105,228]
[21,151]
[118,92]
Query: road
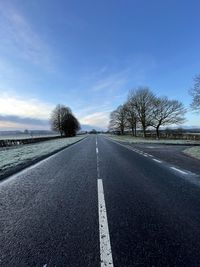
[98,203]
[173,154]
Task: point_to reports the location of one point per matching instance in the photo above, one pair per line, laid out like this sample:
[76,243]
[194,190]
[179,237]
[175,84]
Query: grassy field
[193,152]
[24,136]
[135,140]
[18,157]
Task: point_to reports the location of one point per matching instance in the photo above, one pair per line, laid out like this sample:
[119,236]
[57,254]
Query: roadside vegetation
[141,140]
[195,93]
[144,114]
[143,109]
[193,152]
[13,159]
[63,121]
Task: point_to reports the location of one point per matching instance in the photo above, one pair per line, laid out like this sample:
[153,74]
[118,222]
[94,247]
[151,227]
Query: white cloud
[27,108]
[99,119]
[12,105]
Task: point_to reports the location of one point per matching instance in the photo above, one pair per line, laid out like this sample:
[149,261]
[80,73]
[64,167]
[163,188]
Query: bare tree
[131,115]
[167,112]
[118,120]
[56,119]
[143,100]
[195,92]
[63,121]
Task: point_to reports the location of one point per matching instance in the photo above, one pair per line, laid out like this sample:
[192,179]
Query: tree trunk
[135,130]
[132,129]
[144,132]
[157,132]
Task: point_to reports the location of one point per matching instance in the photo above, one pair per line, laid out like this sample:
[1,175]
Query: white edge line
[127,147]
[104,237]
[156,160]
[135,150]
[175,169]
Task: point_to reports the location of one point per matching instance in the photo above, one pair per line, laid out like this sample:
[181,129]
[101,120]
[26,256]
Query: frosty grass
[11,157]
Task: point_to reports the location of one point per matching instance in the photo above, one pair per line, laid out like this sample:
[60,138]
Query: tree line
[195,93]
[144,109]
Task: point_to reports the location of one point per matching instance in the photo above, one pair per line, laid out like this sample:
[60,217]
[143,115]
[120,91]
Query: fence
[16,142]
[182,136]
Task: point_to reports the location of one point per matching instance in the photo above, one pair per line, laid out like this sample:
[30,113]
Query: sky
[89,54]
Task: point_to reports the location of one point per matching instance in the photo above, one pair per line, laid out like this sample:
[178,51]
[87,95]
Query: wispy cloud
[99,119]
[17,34]
[108,88]
[111,82]
[135,72]
[91,102]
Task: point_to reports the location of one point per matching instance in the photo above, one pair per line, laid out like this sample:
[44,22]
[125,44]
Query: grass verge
[193,152]
[18,158]
[140,140]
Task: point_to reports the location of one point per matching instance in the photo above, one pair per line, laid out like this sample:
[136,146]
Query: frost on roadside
[193,152]
[137,140]
[11,158]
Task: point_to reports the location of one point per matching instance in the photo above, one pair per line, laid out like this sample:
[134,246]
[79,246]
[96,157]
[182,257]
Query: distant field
[135,140]
[25,136]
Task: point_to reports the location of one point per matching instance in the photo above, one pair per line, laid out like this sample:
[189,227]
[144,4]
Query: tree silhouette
[63,121]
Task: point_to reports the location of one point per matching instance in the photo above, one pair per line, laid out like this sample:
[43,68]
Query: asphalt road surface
[99,203]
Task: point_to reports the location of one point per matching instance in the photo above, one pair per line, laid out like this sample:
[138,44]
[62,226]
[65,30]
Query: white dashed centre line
[104,237]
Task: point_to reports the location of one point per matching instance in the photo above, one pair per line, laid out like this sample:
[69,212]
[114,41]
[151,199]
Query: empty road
[99,203]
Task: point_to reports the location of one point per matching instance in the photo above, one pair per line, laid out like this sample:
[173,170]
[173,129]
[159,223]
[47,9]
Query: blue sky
[89,54]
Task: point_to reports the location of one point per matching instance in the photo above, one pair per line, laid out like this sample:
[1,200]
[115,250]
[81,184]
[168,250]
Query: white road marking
[104,237]
[97,153]
[156,160]
[105,247]
[175,169]
[98,170]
